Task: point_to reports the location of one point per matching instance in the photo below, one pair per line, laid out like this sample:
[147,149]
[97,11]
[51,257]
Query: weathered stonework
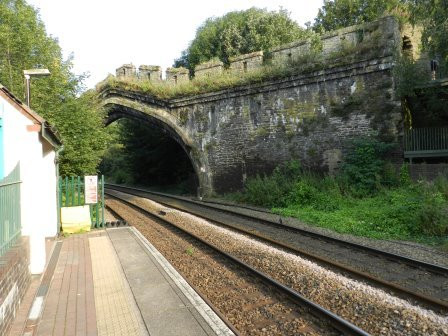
[126,71]
[177,75]
[379,36]
[153,73]
[246,62]
[209,69]
[236,133]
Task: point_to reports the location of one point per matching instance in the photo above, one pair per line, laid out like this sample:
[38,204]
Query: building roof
[48,132]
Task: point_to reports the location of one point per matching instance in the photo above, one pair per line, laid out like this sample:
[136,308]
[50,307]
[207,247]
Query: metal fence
[10,224]
[426,142]
[71,192]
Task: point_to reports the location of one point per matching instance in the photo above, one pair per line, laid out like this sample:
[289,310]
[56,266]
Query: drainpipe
[56,159]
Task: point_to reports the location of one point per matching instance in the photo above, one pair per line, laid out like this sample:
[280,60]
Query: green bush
[271,190]
[363,166]
[432,217]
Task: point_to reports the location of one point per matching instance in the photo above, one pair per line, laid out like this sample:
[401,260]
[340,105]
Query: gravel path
[371,309]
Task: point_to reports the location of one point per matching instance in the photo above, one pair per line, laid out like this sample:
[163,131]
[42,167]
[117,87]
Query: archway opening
[145,154]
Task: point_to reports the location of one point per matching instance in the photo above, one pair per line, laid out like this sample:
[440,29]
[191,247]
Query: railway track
[262,304]
[423,283]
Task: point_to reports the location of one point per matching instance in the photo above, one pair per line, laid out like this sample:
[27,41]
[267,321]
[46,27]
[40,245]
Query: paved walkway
[114,282]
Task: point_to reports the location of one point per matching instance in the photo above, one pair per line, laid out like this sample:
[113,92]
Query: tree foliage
[433,16]
[145,155]
[238,33]
[336,14]
[25,44]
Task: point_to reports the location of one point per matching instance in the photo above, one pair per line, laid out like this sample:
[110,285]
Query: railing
[71,192]
[426,142]
[10,225]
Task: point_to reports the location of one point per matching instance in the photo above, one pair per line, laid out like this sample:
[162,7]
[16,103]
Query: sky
[104,34]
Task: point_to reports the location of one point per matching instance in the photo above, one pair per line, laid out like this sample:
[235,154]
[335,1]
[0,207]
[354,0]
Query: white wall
[37,171]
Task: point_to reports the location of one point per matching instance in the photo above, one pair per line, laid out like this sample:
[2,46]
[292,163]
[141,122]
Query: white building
[26,140]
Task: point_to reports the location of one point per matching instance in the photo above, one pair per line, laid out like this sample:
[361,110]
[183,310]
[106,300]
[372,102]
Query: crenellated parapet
[246,62]
[379,38]
[368,41]
[208,69]
[153,73]
[126,71]
[177,75]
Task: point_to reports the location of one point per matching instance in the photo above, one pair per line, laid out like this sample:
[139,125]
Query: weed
[190,251]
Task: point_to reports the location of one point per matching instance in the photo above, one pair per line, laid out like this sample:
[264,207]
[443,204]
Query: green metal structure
[10,219]
[71,192]
[425,142]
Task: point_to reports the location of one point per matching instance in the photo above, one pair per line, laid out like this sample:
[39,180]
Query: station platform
[113,282]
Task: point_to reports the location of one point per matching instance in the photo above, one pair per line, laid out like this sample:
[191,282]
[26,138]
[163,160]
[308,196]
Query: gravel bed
[414,279]
[250,305]
[371,309]
[408,249]
[109,216]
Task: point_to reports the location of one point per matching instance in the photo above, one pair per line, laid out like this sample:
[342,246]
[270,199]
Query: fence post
[102,200]
[78,187]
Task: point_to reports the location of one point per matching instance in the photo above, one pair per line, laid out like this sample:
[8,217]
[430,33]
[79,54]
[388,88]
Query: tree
[24,44]
[336,14]
[433,16]
[238,33]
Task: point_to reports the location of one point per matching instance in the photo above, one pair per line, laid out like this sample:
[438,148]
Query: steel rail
[433,302]
[337,322]
[410,261]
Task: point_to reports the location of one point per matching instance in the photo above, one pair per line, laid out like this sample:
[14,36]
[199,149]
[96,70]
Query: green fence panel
[10,220]
[426,142]
[71,192]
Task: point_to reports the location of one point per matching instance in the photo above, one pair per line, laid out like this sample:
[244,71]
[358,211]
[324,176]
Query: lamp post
[32,73]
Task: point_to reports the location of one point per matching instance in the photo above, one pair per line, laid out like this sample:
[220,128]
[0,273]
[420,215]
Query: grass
[402,211]
[308,62]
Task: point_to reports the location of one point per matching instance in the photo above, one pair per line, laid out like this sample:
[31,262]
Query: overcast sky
[104,34]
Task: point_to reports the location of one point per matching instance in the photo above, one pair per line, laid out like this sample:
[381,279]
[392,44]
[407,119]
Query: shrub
[272,190]
[432,217]
[364,165]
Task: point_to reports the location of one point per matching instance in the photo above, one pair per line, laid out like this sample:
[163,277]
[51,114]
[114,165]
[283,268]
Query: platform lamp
[32,73]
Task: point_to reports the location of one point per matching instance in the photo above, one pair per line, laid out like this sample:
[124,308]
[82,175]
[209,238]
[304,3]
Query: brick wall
[427,172]
[14,281]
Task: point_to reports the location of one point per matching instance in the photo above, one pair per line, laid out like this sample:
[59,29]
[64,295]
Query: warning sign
[91,189]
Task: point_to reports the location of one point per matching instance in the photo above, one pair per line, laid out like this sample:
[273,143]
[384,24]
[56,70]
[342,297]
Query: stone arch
[119,107]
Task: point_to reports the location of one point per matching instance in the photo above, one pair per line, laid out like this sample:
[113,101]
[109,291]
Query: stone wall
[209,69]
[380,36]
[246,62]
[309,116]
[126,71]
[177,75]
[14,281]
[153,73]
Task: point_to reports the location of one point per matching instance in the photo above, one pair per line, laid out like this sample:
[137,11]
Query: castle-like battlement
[209,69]
[153,73]
[246,62]
[356,43]
[177,75]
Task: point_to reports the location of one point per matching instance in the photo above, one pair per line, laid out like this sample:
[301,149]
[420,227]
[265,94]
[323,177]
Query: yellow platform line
[116,310]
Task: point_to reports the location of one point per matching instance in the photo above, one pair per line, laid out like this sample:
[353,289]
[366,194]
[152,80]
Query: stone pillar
[153,73]
[246,62]
[126,71]
[177,75]
[209,69]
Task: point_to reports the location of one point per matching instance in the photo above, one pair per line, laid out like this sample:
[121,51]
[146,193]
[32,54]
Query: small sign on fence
[91,189]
